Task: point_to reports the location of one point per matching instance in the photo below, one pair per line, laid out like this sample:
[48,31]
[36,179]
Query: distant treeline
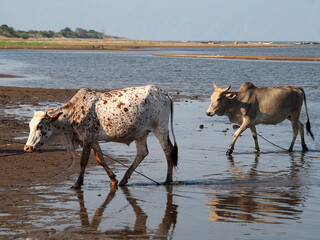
[10,32]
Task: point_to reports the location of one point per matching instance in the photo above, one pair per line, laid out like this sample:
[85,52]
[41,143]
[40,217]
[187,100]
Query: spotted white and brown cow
[253,105]
[122,116]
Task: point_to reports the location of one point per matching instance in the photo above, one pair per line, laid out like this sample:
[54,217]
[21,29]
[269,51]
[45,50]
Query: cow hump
[246,86]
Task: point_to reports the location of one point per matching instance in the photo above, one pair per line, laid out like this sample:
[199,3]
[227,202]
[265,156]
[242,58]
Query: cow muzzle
[28,148]
[210,114]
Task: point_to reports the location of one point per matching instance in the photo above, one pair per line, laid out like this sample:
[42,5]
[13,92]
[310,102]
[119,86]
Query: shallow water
[273,195]
[247,196]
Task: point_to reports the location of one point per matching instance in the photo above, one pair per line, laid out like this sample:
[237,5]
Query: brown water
[273,195]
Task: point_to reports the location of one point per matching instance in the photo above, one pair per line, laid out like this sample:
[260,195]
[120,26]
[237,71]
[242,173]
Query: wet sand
[18,170]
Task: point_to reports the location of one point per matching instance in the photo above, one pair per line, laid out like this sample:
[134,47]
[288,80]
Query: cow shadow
[140,229]
[18,149]
[11,151]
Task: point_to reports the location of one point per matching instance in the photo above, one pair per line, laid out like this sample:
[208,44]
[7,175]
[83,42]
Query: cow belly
[282,103]
[273,121]
[273,118]
[127,135]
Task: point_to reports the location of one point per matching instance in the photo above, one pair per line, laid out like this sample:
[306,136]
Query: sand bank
[125,44]
[9,76]
[277,58]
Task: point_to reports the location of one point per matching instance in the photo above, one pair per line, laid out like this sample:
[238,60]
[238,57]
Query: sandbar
[246,57]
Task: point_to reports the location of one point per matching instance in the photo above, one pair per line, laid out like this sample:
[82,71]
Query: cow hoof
[229,152]
[113,182]
[123,182]
[305,148]
[166,182]
[76,186]
[290,150]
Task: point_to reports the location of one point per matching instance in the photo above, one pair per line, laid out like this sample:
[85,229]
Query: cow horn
[47,116]
[56,116]
[227,89]
[221,90]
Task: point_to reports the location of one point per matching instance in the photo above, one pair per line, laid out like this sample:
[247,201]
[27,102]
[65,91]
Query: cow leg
[295,128]
[301,130]
[96,150]
[167,148]
[240,130]
[142,152]
[83,163]
[255,138]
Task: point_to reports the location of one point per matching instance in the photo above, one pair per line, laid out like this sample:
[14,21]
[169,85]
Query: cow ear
[56,116]
[231,95]
[215,86]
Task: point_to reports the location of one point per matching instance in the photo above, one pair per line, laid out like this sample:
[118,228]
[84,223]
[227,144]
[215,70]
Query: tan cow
[122,116]
[253,105]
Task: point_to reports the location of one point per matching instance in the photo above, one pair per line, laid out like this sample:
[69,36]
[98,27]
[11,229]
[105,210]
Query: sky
[176,20]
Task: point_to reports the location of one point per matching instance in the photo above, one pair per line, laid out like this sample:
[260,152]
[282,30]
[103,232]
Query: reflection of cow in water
[257,202]
[140,229]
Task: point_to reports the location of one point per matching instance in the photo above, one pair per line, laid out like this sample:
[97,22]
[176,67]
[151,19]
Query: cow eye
[218,99]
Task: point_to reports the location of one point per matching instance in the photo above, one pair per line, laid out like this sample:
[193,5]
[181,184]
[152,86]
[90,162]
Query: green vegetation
[10,32]
[21,42]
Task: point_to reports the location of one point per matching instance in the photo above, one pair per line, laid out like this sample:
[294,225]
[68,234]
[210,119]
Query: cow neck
[232,106]
[65,121]
[68,110]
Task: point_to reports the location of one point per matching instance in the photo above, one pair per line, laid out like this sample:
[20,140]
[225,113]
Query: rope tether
[270,141]
[113,159]
[118,161]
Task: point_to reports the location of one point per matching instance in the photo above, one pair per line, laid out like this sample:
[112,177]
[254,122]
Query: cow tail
[308,125]
[174,152]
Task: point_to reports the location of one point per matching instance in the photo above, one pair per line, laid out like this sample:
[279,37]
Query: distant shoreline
[128,44]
